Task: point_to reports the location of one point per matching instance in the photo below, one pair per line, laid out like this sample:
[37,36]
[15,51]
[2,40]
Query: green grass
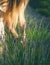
[36,50]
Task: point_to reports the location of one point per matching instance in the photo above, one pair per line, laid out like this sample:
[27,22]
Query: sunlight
[2,34]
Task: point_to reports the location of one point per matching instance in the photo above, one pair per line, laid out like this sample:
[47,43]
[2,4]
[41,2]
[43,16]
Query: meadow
[36,50]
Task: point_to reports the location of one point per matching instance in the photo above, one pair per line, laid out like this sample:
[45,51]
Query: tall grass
[36,51]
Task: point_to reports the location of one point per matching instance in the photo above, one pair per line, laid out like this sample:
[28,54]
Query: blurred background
[41,6]
[36,50]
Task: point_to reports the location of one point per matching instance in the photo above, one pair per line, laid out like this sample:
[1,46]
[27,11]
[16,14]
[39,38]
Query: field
[36,50]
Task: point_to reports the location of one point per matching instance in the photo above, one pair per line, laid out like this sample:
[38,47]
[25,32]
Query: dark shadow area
[41,6]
